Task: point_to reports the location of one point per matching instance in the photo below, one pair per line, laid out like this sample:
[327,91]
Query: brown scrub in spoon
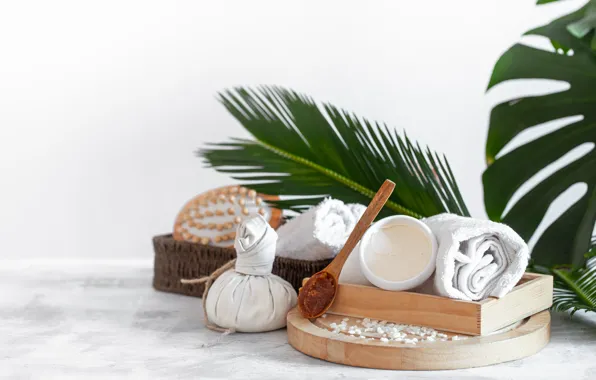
[316,295]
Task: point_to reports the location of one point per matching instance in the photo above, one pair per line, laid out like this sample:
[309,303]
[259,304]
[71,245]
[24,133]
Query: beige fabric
[249,298]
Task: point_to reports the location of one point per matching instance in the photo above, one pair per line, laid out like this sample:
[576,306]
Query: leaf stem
[340,178]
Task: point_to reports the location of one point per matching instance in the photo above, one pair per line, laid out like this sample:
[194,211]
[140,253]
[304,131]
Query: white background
[102,104]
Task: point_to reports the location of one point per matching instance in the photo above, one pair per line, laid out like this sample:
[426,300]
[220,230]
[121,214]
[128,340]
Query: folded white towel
[320,232]
[476,258]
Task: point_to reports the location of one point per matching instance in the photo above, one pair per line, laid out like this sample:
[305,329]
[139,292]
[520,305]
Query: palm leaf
[575,289]
[305,152]
[567,238]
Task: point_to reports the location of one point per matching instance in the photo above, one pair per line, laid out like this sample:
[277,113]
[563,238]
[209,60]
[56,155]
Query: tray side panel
[405,307]
[524,300]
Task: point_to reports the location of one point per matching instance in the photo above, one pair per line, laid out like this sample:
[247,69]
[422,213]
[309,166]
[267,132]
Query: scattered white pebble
[390,332]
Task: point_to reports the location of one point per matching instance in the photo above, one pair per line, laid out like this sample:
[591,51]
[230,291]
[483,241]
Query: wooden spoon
[318,293]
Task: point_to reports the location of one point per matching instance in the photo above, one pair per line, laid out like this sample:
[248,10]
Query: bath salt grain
[391,332]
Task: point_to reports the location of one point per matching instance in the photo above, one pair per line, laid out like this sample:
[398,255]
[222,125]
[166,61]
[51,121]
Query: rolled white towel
[320,232]
[476,258]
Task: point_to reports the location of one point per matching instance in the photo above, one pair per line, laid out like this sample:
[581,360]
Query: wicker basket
[180,259]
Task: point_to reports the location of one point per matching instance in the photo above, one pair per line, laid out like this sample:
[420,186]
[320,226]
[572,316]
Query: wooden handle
[367,218]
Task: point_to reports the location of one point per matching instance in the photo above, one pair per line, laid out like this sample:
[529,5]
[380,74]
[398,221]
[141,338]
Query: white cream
[398,252]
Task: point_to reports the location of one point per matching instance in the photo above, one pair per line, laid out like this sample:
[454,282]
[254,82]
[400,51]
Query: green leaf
[559,48]
[586,25]
[575,289]
[540,2]
[305,152]
[565,241]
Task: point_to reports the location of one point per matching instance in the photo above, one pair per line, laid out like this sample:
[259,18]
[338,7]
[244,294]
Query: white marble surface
[101,319]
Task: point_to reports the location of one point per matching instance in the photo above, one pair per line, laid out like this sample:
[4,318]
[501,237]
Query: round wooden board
[521,340]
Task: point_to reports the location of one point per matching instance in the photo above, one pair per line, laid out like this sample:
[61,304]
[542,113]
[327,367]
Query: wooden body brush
[212,217]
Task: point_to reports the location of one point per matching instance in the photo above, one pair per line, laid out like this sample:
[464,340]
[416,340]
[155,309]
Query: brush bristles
[218,210]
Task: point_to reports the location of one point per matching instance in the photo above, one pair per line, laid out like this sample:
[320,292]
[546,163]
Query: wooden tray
[314,338]
[531,295]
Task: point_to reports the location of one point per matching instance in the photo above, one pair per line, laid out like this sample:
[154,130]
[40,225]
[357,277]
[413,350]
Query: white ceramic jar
[398,253]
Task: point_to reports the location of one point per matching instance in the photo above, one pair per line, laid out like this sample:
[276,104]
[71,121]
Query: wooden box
[531,295]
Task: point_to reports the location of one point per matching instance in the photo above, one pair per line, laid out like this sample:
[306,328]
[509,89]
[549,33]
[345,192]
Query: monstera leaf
[567,238]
